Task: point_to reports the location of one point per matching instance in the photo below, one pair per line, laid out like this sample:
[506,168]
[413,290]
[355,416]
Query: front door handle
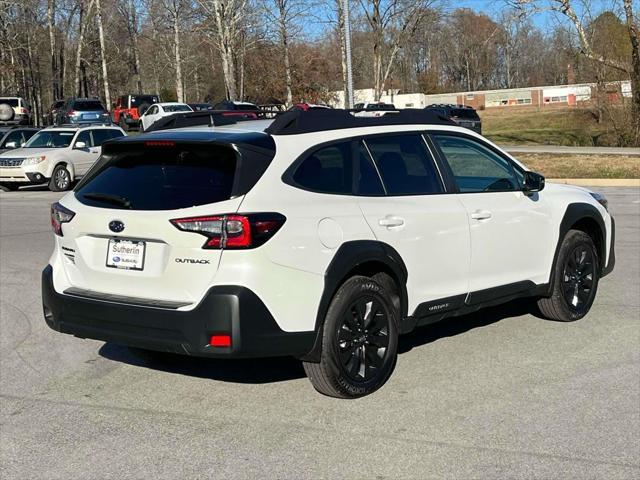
[391,222]
[481,215]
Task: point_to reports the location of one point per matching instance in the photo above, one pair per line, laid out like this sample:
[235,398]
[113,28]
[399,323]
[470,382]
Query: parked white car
[159,110]
[324,236]
[55,155]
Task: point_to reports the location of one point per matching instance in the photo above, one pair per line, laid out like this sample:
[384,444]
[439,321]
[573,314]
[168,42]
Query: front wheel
[359,342]
[60,179]
[575,279]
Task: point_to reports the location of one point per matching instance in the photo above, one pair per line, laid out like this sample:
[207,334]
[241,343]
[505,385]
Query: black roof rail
[84,124]
[298,121]
[209,118]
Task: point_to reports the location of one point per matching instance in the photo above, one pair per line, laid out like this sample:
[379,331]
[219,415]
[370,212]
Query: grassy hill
[550,126]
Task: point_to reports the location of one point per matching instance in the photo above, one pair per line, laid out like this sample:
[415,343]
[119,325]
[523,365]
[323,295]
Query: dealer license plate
[126,254]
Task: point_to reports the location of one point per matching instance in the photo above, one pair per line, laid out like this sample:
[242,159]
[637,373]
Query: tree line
[285,51]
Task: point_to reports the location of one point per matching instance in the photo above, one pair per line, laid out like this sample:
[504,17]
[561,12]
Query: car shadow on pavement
[453,326]
[280,369]
[254,370]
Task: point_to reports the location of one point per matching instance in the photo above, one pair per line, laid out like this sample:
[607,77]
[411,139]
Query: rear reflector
[220,341]
[232,231]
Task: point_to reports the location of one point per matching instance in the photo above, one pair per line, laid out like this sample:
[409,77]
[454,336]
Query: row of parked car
[141,111]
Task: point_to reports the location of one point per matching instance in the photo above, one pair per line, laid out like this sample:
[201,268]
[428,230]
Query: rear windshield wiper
[108,198]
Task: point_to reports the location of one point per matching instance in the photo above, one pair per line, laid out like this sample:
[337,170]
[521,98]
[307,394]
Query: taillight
[71,112]
[59,215]
[233,231]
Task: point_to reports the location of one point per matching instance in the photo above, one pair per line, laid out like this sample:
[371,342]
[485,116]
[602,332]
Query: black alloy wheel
[363,339]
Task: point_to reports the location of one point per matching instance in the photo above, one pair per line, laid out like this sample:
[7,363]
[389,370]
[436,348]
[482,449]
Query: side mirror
[80,145]
[533,182]
[11,145]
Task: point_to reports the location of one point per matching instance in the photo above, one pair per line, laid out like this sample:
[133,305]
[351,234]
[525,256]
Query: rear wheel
[60,179]
[359,343]
[575,279]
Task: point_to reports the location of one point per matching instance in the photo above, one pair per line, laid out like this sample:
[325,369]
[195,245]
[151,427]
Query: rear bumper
[230,310]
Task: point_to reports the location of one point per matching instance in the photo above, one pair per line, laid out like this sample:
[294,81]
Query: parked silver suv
[82,110]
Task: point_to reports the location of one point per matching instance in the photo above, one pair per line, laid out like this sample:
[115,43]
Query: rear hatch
[122,241]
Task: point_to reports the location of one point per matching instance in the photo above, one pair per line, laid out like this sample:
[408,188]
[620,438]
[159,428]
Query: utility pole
[347,42]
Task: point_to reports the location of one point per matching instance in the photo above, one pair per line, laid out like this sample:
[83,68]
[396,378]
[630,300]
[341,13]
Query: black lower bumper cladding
[228,310]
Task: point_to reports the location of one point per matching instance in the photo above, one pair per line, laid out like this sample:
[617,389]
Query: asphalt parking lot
[498,394]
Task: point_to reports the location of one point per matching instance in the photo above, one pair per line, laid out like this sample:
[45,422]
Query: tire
[9,187]
[123,125]
[359,341]
[575,279]
[60,179]
[6,112]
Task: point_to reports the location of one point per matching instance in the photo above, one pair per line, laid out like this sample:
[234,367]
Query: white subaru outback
[323,236]
[55,156]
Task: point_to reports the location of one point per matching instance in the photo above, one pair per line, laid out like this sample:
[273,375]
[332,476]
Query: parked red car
[129,108]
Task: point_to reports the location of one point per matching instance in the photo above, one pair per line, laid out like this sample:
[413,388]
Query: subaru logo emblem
[116,226]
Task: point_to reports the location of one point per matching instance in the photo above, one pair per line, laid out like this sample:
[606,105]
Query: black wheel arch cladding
[354,258]
[576,215]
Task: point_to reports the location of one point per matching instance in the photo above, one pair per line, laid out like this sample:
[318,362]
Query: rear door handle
[390,222]
[481,215]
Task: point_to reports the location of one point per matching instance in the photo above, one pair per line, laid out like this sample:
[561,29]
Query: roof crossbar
[297,121]
[210,118]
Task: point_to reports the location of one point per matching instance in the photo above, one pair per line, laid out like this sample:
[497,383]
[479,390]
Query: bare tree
[397,21]
[227,25]
[129,10]
[103,57]
[82,26]
[284,14]
[566,8]
[177,10]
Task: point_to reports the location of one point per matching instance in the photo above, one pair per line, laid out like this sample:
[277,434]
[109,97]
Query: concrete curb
[598,182]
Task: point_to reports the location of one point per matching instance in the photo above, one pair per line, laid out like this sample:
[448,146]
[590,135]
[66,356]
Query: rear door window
[327,170]
[101,135]
[160,179]
[405,164]
[85,136]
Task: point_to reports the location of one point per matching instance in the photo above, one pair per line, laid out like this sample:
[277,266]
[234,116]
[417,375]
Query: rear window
[10,101]
[87,105]
[466,113]
[161,179]
[138,100]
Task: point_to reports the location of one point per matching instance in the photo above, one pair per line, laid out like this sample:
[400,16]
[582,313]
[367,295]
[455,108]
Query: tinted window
[16,137]
[367,178]
[466,113]
[475,167]
[103,134]
[87,105]
[327,170]
[48,139]
[162,179]
[177,108]
[405,165]
[85,136]
[11,101]
[138,100]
